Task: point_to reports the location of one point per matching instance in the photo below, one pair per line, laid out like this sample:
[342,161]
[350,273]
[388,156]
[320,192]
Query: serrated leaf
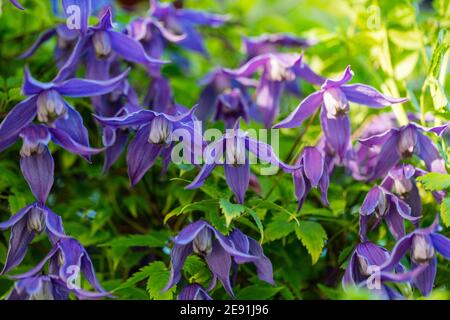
[142,274]
[159,276]
[155,239]
[197,270]
[257,222]
[230,210]
[313,237]
[279,228]
[445,211]
[435,181]
[204,206]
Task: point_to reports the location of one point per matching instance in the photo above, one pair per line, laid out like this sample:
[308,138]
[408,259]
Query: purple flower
[17,4]
[160,97]
[42,287]
[67,260]
[396,144]
[233,146]
[384,206]
[313,173]
[334,96]
[156,135]
[217,250]
[422,245]
[364,270]
[194,292]
[184,22]
[25,225]
[100,42]
[230,106]
[277,70]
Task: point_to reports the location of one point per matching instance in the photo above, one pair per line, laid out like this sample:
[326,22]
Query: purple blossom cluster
[383,152]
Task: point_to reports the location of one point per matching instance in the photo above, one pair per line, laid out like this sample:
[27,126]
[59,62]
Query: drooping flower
[194,291]
[42,287]
[333,98]
[68,259]
[234,146]
[277,70]
[422,243]
[217,250]
[25,225]
[160,97]
[313,173]
[156,135]
[386,206]
[230,106]
[180,21]
[99,43]
[402,143]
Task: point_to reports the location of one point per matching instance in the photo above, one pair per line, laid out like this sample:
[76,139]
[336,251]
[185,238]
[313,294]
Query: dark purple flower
[156,135]
[25,225]
[386,206]
[422,244]
[194,292]
[217,250]
[277,70]
[364,270]
[313,173]
[100,42]
[230,106]
[160,97]
[180,21]
[334,98]
[233,146]
[67,261]
[396,144]
[42,287]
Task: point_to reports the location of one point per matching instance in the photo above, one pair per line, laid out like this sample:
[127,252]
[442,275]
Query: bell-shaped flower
[364,270]
[230,106]
[99,43]
[192,292]
[46,103]
[25,225]
[67,260]
[156,135]
[334,98]
[423,244]
[313,173]
[402,143]
[384,205]
[231,152]
[277,70]
[183,22]
[217,250]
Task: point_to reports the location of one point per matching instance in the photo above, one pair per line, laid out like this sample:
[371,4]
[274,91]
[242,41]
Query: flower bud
[160,131]
[50,106]
[422,249]
[102,44]
[335,102]
[36,220]
[202,243]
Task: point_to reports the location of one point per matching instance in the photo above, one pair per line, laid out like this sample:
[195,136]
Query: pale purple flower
[333,99]
[194,291]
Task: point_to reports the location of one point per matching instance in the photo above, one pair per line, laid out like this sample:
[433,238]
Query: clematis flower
[67,260]
[233,145]
[217,250]
[386,206]
[153,35]
[25,225]
[334,98]
[230,106]
[156,136]
[17,4]
[276,72]
[422,244]
[402,143]
[194,292]
[364,270]
[183,22]
[99,43]
[160,97]
[42,287]
[45,101]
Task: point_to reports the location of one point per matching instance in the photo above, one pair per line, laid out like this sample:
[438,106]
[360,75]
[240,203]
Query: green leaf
[159,276]
[16,203]
[204,206]
[435,181]
[142,274]
[313,237]
[230,210]
[279,228]
[155,239]
[197,270]
[258,292]
[257,222]
[445,211]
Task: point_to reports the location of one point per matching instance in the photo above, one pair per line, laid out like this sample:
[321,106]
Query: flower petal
[441,244]
[313,165]
[178,256]
[84,8]
[62,139]
[429,154]
[425,280]
[366,95]
[238,178]
[43,37]
[219,262]
[346,76]
[130,120]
